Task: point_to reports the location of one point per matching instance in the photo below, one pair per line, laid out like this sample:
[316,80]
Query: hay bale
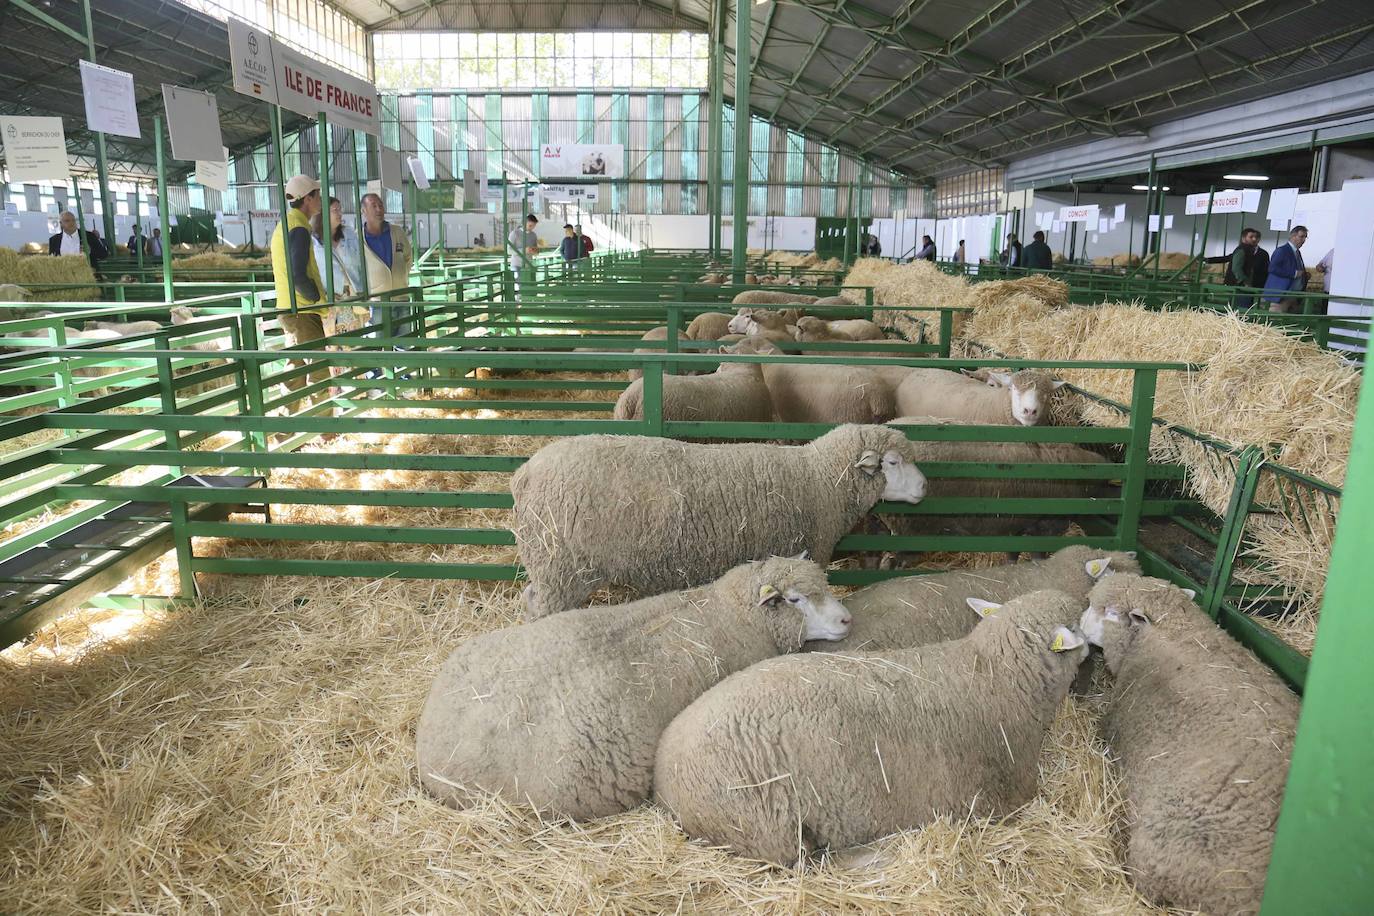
[43,270]
[216,266]
[865,272]
[1117,260]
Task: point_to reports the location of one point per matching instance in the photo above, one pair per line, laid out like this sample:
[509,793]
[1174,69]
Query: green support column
[80,219]
[164,217]
[143,228]
[323,128]
[358,213]
[101,170]
[715,134]
[742,144]
[275,113]
[1323,859]
[1149,208]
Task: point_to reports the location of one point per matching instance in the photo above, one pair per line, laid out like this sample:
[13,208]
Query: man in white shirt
[67,241]
[523,244]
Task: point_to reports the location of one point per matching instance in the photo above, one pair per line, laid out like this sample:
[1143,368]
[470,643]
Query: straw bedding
[216,266]
[254,752]
[41,270]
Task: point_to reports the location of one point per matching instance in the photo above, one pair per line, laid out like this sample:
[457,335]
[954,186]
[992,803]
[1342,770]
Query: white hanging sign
[579,160]
[1231,201]
[35,149]
[570,193]
[1120,214]
[250,60]
[1154,222]
[1104,224]
[1169,221]
[211,173]
[1056,226]
[390,161]
[1251,200]
[417,173]
[1282,203]
[110,104]
[193,122]
[1083,214]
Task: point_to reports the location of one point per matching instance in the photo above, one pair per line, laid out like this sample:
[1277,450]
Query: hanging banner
[273,72]
[1120,214]
[1282,202]
[211,173]
[1084,214]
[570,193]
[110,107]
[1222,202]
[469,192]
[193,122]
[35,149]
[1251,200]
[250,60]
[417,173]
[390,161]
[577,160]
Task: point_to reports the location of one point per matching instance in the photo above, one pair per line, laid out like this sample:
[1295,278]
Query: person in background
[870,246]
[1244,266]
[154,244]
[571,246]
[294,246]
[1286,272]
[522,245]
[1037,255]
[927,252]
[386,251]
[587,245]
[137,241]
[959,256]
[66,241]
[1011,255]
[480,241]
[346,266]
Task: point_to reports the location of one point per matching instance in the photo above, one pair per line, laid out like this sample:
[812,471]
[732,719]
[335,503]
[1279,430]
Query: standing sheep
[1203,731]
[997,488]
[656,514]
[565,713]
[708,326]
[824,750]
[937,393]
[734,392]
[915,611]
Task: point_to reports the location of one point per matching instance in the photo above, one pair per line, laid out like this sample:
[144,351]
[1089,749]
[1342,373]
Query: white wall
[36,227]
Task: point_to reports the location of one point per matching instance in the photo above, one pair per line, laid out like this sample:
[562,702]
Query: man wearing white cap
[306,324]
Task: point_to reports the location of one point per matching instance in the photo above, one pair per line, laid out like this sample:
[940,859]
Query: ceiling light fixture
[1142,187]
[1246,177]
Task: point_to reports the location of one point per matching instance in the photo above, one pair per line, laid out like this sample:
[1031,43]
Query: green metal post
[1149,208]
[277,142]
[1323,859]
[80,219]
[138,217]
[1137,458]
[101,169]
[414,222]
[506,292]
[1248,466]
[1206,227]
[1159,236]
[164,217]
[715,134]
[328,240]
[358,213]
[743,49]
[846,257]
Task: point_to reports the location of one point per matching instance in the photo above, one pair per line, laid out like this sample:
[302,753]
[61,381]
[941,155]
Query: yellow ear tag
[767,593]
[1058,644]
[1097,567]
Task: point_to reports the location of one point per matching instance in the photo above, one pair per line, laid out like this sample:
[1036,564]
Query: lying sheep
[840,329]
[804,393]
[937,393]
[708,326]
[816,330]
[998,488]
[124,328]
[656,514]
[1203,731]
[763,323]
[182,314]
[824,750]
[734,392]
[984,375]
[771,297]
[565,713]
[915,611]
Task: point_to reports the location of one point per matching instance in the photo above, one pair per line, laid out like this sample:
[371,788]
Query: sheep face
[181,315]
[903,480]
[795,595]
[1031,391]
[742,323]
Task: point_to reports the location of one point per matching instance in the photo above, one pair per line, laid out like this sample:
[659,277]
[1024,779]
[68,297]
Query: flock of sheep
[772,718]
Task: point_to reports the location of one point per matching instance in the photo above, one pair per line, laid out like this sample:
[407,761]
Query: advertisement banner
[580,160]
[35,149]
[570,193]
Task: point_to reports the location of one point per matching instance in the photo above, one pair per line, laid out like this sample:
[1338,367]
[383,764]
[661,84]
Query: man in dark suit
[68,242]
[1037,254]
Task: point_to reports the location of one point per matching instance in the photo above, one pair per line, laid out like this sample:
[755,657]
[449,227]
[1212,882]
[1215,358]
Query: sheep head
[1123,606]
[809,328]
[886,451]
[795,599]
[1031,390]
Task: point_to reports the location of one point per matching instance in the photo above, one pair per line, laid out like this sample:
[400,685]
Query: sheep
[984,375]
[655,514]
[936,392]
[182,314]
[11,293]
[813,330]
[124,328]
[734,392]
[771,297]
[915,611]
[755,321]
[564,713]
[658,333]
[709,326]
[1009,453]
[1203,732]
[803,393]
[841,329]
[824,750]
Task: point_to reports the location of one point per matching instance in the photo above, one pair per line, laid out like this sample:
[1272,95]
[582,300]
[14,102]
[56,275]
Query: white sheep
[825,750]
[813,328]
[771,297]
[984,375]
[124,328]
[657,514]
[938,393]
[776,325]
[734,392]
[1203,731]
[565,713]
[911,611]
[804,393]
[708,326]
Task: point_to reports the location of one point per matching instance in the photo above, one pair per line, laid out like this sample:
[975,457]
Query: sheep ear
[1137,616]
[1002,378]
[1190,592]
[1057,384]
[971,373]
[1065,640]
[1098,568]
[868,461]
[768,595]
[1112,613]
[982,608]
